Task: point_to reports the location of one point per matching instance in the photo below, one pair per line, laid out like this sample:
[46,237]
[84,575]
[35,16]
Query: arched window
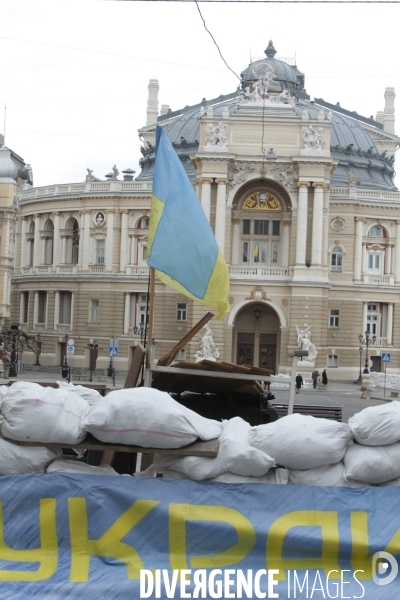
[375,231]
[48,240]
[72,241]
[144,223]
[336,259]
[31,243]
[261,230]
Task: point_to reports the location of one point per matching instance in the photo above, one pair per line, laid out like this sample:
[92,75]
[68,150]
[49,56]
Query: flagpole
[149,352]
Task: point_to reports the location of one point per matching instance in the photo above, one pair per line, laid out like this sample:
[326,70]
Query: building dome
[286,76]
[8,168]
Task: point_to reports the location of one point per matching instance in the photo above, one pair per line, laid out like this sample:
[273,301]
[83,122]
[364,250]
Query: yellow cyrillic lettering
[326,520]
[109,545]
[46,555]
[179,514]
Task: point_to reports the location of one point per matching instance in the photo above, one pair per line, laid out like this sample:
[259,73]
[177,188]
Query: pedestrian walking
[299,383]
[324,378]
[314,378]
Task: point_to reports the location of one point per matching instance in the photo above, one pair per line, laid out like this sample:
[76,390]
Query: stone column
[81,235]
[389,326]
[124,240]
[316,245]
[71,325]
[365,313]
[236,242]
[23,242]
[63,249]
[127,312]
[133,237]
[56,239]
[36,241]
[197,187]
[109,241]
[358,248]
[220,216]
[364,264]
[285,243]
[56,309]
[206,196]
[302,213]
[22,307]
[388,259]
[36,310]
[397,254]
[86,256]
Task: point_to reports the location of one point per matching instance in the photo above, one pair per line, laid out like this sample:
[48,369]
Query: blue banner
[84,537]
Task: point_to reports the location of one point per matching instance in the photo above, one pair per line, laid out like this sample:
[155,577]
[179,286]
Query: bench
[79,375]
[334,413]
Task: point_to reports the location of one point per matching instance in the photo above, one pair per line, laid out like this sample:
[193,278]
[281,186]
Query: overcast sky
[74,74]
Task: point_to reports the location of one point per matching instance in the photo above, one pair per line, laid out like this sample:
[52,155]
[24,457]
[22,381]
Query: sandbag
[15,459]
[91,396]
[149,418]
[30,412]
[73,466]
[327,475]
[377,425]
[276,476]
[374,464]
[235,455]
[302,442]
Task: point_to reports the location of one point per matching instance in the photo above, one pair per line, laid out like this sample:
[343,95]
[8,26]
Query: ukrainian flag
[182,247]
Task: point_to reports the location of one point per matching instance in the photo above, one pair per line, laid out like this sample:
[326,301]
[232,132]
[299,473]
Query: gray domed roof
[351,146]
[288,77]
[8,168]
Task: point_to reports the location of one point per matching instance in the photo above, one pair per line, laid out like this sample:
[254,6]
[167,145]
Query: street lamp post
[13,358]
[93,349]
[111,370]
[141,331]
[360,375]
[367,341]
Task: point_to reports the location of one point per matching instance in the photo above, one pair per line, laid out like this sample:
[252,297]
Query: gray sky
[79,106]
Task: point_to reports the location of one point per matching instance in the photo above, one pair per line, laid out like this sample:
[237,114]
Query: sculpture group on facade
[216,137]
[264,89]
[312,138]
[208,348]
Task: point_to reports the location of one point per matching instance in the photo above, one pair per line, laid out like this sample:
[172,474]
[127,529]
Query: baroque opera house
[301,198]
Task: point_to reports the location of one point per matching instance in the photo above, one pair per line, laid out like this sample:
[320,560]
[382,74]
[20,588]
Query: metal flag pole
[149,346]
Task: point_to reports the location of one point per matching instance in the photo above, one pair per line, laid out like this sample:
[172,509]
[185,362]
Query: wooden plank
[208,449]
[167,359]
[135,368]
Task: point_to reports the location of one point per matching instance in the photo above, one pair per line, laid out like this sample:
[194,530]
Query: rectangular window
[333,360]
[246,226]
[65,308]
[336,261]
[181,312]
[245,252]
[181,355]
[334,318]
[42,307]
[372,308]
[142,308]
[260,227]
[275,253]
[24,307]
[374,263]
[260,252]
[276,225]
[100,250]
[372,324]
[143,256]
[94,311]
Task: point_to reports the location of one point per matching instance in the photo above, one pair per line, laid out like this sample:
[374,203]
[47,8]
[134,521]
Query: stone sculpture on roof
[216,137]
[312,138]
[89,176]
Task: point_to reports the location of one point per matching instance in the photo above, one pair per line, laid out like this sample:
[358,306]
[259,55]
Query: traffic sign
[70,342]
[70,349]
[386,356]
[112,351]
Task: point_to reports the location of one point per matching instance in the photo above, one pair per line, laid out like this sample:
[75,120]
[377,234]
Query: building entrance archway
[257,333]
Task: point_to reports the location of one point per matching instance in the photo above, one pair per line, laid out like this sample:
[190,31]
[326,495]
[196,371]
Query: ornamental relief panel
[262,201]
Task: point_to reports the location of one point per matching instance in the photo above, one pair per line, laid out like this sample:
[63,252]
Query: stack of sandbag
[149,418]
[375,458]
[235,456]
[302,442]
[274,475]
[327,475]
[91,396]
[32,413]
[73,466]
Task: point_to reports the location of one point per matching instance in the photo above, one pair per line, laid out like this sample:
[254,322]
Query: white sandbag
[73,466]
[302,442]
[91,396]
[30,412]
[327,475]
[235,455]
[392,482]
[374,464]
[147,417]
[276,476]
[15,459]
[377,425]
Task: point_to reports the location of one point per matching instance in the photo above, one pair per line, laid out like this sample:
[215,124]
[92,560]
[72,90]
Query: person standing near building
[6,364]
[324,378]
[314,378]
[299,383]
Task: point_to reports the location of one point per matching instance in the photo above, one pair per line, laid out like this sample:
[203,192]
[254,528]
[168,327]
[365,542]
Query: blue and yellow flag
[182,247]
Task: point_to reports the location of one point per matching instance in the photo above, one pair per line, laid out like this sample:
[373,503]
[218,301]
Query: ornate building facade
[301,198]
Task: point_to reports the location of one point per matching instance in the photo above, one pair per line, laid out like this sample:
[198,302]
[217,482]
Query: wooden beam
[168,358]
[136,365]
